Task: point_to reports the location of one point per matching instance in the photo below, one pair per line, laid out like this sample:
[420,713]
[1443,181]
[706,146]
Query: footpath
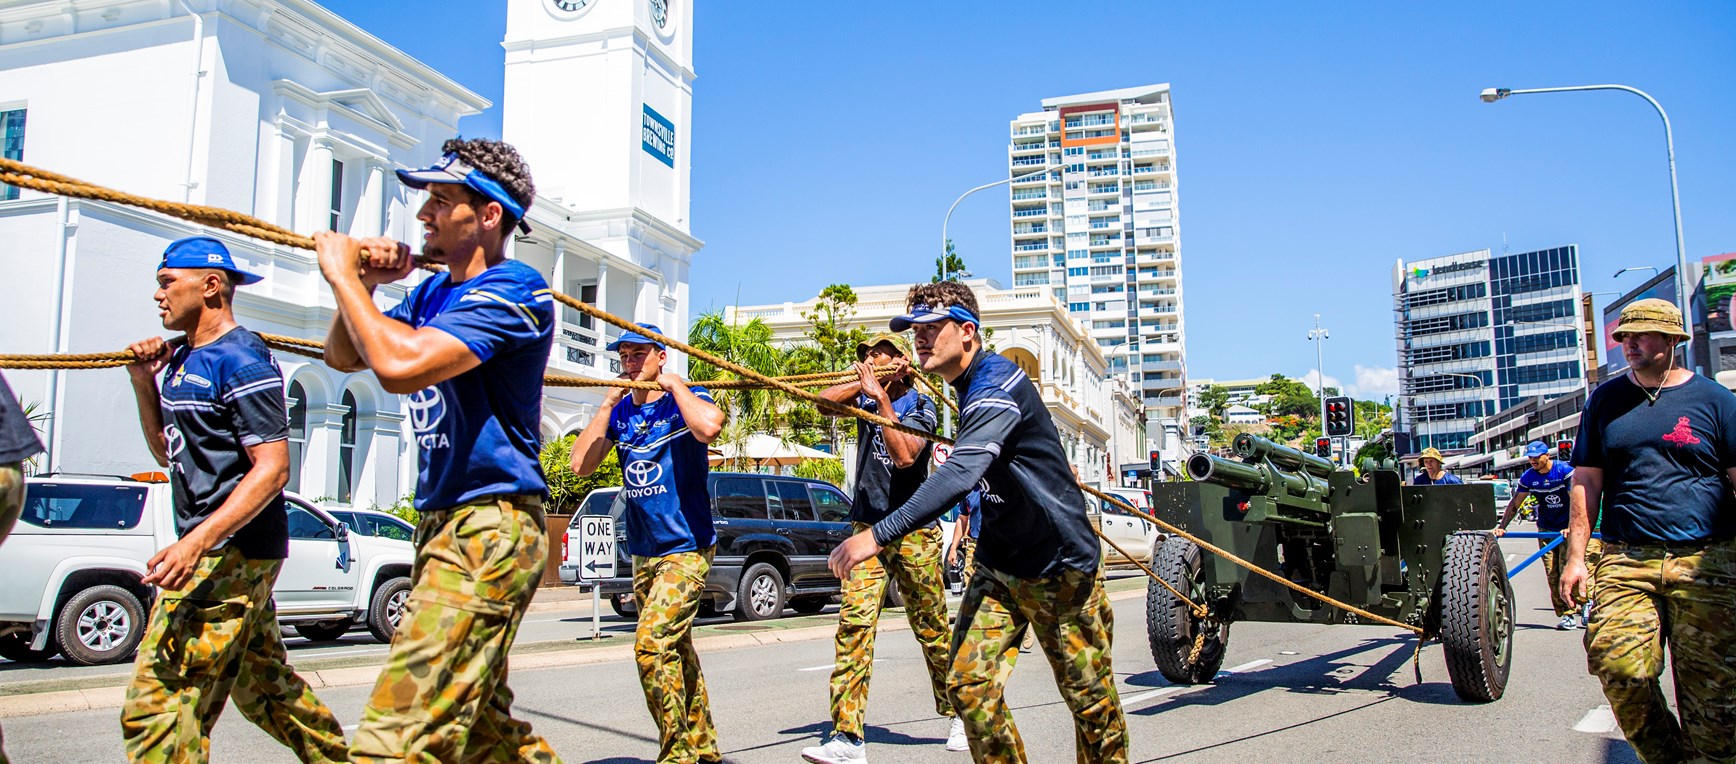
[54,696]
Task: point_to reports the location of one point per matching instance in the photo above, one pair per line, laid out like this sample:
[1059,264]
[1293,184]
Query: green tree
[830,346]
[748,345]
[1215,398]
[949,264]
[829,470]
[566,488]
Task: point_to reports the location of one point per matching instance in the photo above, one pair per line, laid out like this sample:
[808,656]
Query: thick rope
[22,175]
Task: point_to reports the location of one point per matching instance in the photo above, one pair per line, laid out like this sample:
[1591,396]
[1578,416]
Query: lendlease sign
[657,135]
[1423,273]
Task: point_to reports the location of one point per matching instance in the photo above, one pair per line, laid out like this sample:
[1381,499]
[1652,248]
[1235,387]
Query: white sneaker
[955,739]
[1567,623]
[837,750]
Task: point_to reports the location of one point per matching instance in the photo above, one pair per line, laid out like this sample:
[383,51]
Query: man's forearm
[256,488]
[592,445]
[1512,507]
[704,419]
[843,392]
[340,347]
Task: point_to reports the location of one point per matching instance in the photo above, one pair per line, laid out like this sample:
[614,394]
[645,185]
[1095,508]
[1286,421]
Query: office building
[1477,334]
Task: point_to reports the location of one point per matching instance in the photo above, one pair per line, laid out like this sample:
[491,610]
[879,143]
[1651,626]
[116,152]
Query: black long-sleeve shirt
[1034,522]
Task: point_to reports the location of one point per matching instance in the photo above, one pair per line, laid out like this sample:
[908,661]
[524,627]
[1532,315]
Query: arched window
[297,433]
[347,451]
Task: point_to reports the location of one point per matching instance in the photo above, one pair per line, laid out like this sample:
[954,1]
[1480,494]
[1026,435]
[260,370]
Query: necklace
[1652,394]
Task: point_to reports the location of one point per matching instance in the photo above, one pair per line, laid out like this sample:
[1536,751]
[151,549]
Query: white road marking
[1159,692]
[352,727]
[827,666]
[1598,720]
[1510,558]
[1246,666]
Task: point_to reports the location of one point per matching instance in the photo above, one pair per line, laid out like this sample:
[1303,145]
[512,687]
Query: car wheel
[102,624]
[324,631]
[623,608]
[16,647]
[386,610]
[760,595]
[808,605]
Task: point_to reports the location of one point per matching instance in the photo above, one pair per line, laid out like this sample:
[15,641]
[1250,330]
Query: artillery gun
[1416,554]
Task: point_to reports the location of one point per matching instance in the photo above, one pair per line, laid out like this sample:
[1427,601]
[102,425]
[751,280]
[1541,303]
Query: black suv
[774,534]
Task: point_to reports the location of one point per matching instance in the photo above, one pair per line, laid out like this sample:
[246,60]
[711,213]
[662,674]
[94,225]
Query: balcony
[1159,367]
[1031,212]
[1037,247]
[578,348]
[1026,229]
[1037,193]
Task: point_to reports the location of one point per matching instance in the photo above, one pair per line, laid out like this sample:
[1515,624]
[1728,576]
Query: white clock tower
[599,100]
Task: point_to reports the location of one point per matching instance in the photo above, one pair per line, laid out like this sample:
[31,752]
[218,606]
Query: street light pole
[1319,336]
[948,220]
[1684,298]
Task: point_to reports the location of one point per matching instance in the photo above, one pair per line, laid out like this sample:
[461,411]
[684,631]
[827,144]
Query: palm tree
[749,345]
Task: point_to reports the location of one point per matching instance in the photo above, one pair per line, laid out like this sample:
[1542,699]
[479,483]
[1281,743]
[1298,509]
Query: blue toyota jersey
[663,471]
[477,433]
[1551,492]
[218,400]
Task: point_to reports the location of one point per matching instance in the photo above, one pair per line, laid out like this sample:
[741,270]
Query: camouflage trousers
[914,562]
[442,696]
[668,590]
[1073,622]
[1554,561]
[1649,597]
[214,638]
[967,549]
[11,504]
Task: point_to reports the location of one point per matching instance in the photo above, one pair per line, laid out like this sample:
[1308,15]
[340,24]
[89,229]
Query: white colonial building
[1096,414]
[285,111]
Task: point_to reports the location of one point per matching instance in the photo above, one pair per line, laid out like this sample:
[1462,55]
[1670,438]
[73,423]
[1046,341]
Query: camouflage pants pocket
[914,562]
[1553,561]
[442,695]
[668,590]
[214,636]
[11,498]
[1645,600]
[1073,622]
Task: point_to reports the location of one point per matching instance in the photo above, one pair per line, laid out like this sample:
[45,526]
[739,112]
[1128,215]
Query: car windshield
[598,503]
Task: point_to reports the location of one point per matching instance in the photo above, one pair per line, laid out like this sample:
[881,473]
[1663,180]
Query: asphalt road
[1288,692]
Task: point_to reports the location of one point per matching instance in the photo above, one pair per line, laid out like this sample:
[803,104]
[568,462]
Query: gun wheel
[1172,627]
[1476,616]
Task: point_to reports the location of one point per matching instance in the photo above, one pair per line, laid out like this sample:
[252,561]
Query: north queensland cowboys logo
[427,411]
[643,476]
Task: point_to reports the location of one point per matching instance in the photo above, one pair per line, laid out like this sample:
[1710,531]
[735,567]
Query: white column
[370,218]
[558,279]
[282,204]
[313,192]
[319,464]
[381,434]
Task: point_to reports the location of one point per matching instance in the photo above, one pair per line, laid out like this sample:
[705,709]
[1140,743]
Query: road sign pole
[596,611]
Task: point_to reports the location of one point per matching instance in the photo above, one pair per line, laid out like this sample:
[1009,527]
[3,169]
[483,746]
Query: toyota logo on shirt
[642,478]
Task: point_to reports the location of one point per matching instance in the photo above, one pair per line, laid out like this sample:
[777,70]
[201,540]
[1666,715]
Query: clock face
[660,13]
[569,8]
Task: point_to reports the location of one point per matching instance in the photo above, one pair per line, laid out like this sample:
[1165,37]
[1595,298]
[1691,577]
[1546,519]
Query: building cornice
[641,42]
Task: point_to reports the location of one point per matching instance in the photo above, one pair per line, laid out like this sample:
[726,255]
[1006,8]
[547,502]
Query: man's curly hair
[499,161]
[941,295]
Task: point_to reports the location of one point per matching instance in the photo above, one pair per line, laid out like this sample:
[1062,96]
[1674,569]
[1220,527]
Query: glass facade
[11,145]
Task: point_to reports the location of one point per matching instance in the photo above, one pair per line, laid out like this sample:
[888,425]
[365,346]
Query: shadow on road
[1314,675]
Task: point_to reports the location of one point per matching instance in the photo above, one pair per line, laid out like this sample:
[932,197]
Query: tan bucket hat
[897,341]
[1432,453]
[1650,315]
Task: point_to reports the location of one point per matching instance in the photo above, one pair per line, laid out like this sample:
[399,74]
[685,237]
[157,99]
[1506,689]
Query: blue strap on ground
[1556,539]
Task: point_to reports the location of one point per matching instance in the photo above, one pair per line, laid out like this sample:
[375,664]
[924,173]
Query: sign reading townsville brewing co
[657,135]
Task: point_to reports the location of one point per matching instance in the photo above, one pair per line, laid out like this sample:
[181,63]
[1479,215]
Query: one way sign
[596,548]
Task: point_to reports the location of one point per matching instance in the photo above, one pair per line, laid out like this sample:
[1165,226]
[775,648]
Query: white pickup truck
[75,558]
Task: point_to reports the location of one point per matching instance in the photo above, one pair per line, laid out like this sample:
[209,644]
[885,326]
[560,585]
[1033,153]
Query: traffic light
[1340,417]
[1564,450]
[1323,447]
[1156,463]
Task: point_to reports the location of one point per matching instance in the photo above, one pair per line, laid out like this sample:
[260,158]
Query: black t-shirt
[17,440]
[1663,463]
[217,400]
[880,486]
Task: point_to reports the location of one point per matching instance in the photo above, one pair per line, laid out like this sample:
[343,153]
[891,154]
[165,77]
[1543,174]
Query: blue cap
[922,314]
[1536,448]
[637,338]
[451,169]
[204,252]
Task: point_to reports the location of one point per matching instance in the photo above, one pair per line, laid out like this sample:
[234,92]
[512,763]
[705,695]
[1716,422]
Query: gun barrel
[1253,477]
[1248,446]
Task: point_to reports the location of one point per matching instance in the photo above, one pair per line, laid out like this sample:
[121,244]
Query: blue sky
[1315,144]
